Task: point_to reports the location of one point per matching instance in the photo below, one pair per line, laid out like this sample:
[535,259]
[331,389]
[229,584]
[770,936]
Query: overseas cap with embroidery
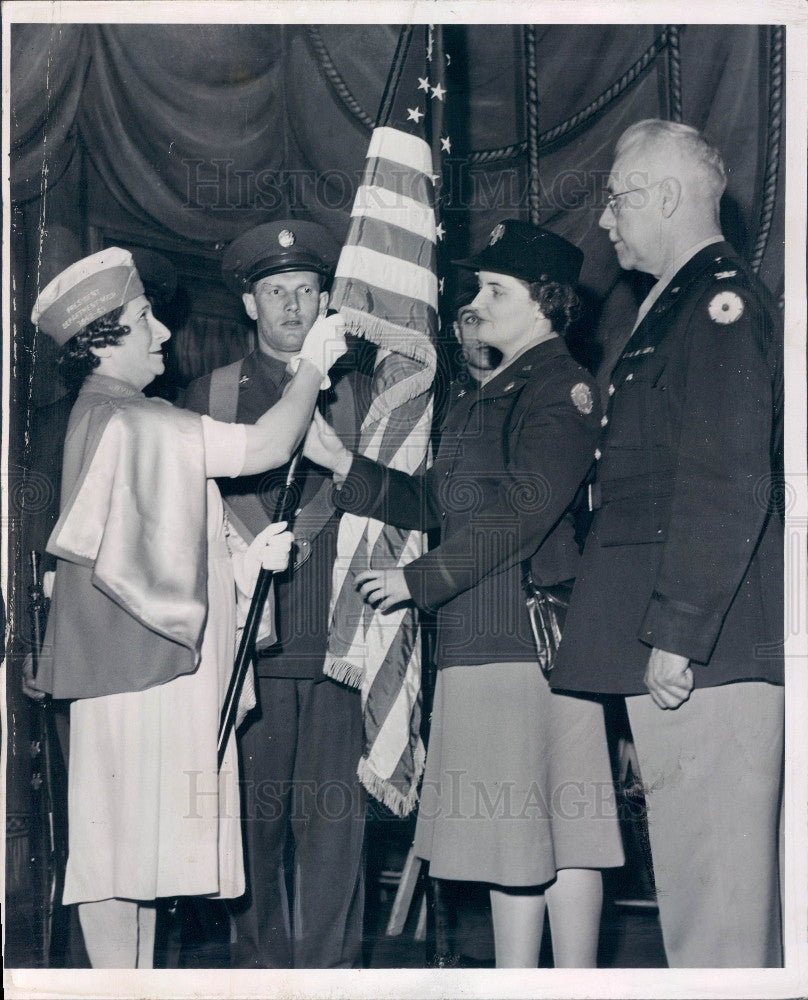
[85,291]
[529,252]
[273,247]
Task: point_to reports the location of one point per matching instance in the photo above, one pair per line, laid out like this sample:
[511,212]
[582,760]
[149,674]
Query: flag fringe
[386,792]
[400,340]
[344,671]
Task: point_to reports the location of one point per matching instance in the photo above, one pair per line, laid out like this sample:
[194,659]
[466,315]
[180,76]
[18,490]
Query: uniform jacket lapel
[678,286]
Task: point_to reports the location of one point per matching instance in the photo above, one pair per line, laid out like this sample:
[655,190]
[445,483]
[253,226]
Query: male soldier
[475,359]
[303,805]
[678,601]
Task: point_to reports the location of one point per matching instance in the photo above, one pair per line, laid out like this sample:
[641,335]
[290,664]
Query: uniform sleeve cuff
[359,493]
[678,627]
[430,582]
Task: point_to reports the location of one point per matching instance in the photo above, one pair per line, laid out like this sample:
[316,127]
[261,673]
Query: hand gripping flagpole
[247,645]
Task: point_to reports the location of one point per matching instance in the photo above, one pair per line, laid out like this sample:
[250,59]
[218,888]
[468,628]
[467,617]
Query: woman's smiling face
[138,357]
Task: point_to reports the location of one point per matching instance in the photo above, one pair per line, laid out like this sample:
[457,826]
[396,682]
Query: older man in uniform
[678,603]
[303,804]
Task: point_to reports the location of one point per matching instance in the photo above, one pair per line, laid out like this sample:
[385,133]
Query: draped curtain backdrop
[202,130]
[189,134]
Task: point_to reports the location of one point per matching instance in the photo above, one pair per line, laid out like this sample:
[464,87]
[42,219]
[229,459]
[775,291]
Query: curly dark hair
[558,303]
[77,360]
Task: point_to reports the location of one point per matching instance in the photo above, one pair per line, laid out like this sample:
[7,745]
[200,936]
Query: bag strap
[344,417]
[223,399]
[245,510]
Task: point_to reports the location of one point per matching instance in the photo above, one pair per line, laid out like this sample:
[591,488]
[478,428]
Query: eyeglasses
[612,199]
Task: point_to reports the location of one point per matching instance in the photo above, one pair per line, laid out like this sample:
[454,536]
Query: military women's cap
[86,291]
[274,247]
[529,252]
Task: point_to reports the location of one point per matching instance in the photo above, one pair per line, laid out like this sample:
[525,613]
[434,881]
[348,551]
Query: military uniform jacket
[685,552]
[511,457]
[302,593]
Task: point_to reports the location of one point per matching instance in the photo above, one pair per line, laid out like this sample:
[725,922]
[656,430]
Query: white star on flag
[441,284]
[438,92]
[445,144]
[440,231]
[415,115]
[423,84]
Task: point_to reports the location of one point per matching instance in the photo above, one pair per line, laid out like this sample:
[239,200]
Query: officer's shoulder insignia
[725,307]
[581,396]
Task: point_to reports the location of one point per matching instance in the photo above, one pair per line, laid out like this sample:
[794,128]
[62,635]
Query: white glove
[323,346]
[270,548]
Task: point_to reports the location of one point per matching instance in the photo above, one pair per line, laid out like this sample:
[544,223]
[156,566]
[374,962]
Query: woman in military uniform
[518,789]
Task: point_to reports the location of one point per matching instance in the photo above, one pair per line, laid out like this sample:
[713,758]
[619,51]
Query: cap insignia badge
[286,238]
[725,308]
[582,398]
[496,234]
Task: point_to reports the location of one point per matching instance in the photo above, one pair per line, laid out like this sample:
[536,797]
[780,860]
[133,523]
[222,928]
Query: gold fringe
[386,792]
[344,671]
[400,340]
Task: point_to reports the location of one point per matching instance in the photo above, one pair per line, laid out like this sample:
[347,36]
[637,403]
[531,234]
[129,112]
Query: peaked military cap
[529,252]
[273,247]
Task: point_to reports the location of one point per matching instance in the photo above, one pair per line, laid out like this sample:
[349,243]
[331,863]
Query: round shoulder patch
[725,307]
[581,396]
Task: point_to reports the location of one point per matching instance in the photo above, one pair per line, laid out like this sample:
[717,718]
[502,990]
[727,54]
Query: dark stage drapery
[202,130]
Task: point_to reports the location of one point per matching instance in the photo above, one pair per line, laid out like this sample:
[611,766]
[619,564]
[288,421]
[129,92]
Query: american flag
[386,287]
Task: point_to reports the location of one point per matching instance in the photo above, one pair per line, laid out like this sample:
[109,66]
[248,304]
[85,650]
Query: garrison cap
[529,252]
[86,291]
[273,247]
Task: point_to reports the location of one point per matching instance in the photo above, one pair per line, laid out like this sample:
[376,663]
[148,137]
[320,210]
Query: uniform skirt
[518,782]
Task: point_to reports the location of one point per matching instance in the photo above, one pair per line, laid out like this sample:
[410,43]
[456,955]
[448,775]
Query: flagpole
[391,87]
[246,646]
